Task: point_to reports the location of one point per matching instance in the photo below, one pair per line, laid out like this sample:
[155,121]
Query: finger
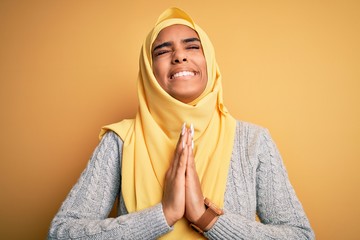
[188,138]
[191,172]
[180,154]
[182,162]
[190,156]
[183,135]
[180,144]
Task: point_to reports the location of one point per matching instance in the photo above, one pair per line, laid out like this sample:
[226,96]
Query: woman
[184,168]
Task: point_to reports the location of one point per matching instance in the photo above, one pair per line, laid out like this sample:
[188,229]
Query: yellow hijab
[150,138]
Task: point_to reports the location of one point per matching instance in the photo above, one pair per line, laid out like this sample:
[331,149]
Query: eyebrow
[168,44]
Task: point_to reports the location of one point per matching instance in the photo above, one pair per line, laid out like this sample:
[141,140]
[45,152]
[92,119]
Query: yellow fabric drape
[150,138]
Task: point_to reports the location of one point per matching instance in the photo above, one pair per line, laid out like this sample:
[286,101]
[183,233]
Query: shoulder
[250,130]
[111,138]
[252,138]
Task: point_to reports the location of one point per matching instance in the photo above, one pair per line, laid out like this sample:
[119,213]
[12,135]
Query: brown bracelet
[211,212]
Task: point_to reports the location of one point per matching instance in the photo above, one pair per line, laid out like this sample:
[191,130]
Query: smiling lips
[182,74]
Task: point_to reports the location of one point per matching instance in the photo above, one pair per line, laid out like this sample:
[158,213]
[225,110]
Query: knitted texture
[257,183]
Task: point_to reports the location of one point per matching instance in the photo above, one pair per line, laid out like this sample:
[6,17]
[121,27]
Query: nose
[179,57]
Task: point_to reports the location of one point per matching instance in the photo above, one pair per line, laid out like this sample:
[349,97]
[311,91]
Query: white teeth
[184,73]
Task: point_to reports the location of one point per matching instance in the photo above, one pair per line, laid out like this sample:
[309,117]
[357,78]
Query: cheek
[159,68]
[159,73]
[204,69]
[155,72]
[202,63]
[205,76]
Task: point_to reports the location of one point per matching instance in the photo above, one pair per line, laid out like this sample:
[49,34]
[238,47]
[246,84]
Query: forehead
[175,32]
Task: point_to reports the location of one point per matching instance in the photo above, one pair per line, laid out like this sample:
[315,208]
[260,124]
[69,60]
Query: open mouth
[182,74]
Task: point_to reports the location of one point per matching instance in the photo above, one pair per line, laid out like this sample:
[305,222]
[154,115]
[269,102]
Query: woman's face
[179,64]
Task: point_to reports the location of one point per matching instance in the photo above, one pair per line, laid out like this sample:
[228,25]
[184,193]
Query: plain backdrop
[69,67]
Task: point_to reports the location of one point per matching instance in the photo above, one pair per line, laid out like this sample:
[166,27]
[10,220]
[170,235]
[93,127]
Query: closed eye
[193,47]
[158,53]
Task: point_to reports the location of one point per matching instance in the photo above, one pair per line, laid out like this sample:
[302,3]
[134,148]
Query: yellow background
[69,67]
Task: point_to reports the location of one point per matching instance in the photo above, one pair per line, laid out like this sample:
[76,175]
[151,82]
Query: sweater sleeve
[278,208]
[84,213]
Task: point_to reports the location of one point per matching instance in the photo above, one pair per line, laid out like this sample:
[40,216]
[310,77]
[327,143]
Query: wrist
[169,217]
[193,215]
[209,217]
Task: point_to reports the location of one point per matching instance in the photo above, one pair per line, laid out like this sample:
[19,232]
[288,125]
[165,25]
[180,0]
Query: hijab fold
[150,139]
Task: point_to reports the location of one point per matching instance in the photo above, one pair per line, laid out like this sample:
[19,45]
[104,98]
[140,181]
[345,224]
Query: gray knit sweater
[257,183]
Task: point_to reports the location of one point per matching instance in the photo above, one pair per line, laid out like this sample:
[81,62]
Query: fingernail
[183,129]
[192,144]
[183,144]
[192,130]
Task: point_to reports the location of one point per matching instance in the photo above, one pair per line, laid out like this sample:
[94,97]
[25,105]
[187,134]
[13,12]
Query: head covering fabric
[150,139]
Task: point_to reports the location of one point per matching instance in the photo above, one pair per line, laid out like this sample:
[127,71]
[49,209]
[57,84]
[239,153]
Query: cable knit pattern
[257,183]
[84,213]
